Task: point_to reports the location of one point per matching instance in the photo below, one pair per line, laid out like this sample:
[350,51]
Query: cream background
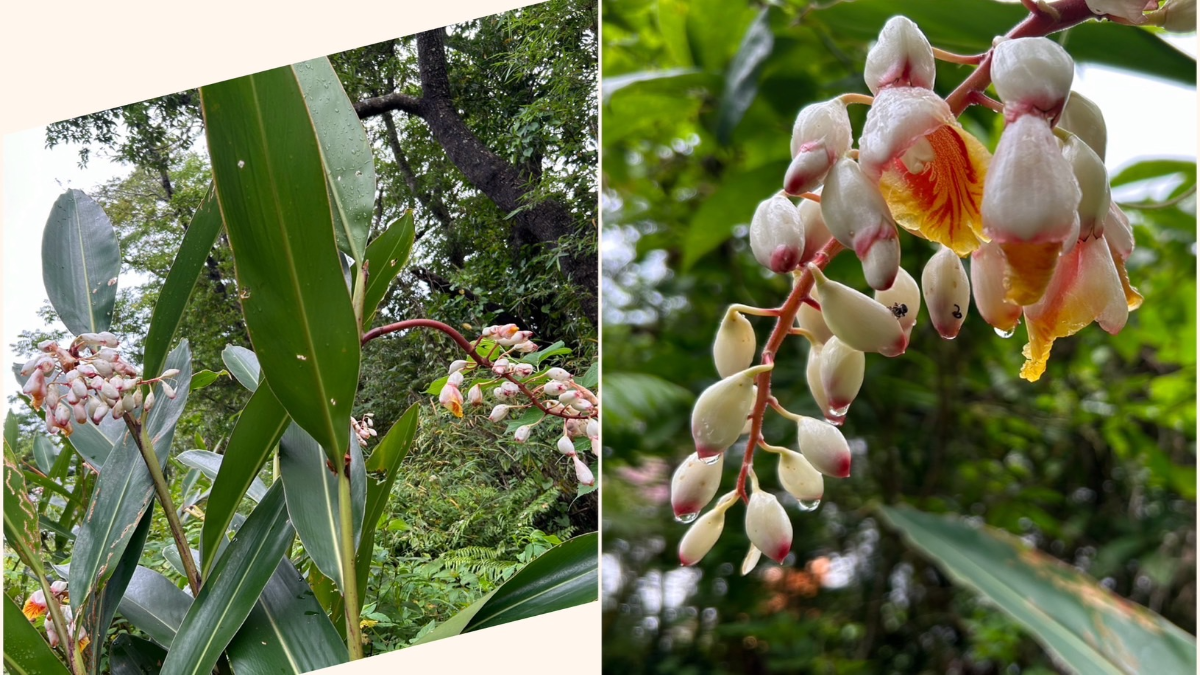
[65,58]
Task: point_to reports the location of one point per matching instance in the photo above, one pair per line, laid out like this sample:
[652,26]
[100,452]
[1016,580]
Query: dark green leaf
[258,429]
[714,221]
[198,241]
[44,452]
[80,263]
[1086,626]
[20,514]
[271,187]
[230,593]
[206,377]
[243,364]
[209,463]
[1155,168]
[312,497]
[25,652]
[674,81]
[529,416]
[135,656]
[92,444]
[11,431]
[154,605]
[741,79]
[386,256]
[346,151]
[98,614]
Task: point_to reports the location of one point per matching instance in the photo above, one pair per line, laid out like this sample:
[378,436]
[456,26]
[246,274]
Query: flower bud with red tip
[776,235]
[820,135]
[798,476]
[947,292]
[860,220]
[1032,77]
[841,372]
[902,57]
[904,299]
[768,526]
[721,410]
[859,321]
[987,287]
[703,533]
[694,484]
[824,447]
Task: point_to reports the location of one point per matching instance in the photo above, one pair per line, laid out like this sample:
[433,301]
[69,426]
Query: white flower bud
[776,236]
[1130,10]
[109,392]
[118,409]
[500,367]
[582,473]
[824,447]
[522,433]
[1032,77]
[149,401]
[1083,118]
[1092,177]
[103,368]
[558,374]
[815,387]
[168,390]
[582,404]
[455,379]
[820,135]
[703,533]
[768,526]
[797,476]
[566,446]
[859,219]
[475,395]
[108,339]
[858,320]
[733,350]
[809,319]
[509,389]
[456,366]
[100,412]
[721,411]
[947,292]
[816,232]
[902,57]
[568,397]
[593,429]
[81,414]
[58,589]
[842,369]
[751,560]
[694,485]
[79,388]
[62,414]
[526,347]
[554,388]
[903,298]
[523,370]
[169,373]
[33,364]
[498,413]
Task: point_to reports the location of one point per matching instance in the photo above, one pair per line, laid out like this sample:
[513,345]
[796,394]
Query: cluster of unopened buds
[509,381]
[1046,242]
[37,607]
[86,380]
[364,429]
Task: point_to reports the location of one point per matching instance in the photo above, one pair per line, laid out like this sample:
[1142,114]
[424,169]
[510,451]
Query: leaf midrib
[87,283]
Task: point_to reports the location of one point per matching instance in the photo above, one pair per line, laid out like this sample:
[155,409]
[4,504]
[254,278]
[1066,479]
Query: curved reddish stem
[471,353]
[783,324]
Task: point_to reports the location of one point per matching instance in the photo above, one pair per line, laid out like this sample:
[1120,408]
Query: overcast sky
[35,176]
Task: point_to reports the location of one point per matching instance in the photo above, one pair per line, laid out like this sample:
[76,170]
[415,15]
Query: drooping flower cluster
[86,380]
[1045,239]
[37,607]
[505,366]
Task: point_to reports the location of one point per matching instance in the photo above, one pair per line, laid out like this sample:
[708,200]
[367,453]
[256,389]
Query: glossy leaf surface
[80,263]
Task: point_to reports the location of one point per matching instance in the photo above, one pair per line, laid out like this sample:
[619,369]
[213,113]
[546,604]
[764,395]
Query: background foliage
[1093,465]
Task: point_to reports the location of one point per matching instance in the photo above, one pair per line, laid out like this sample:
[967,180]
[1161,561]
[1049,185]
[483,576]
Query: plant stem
[146,447]
[360,296]
[349,575]
[783,325]
[74,654]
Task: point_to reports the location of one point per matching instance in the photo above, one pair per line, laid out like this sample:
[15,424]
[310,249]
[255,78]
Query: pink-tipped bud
[947,292]
[582,473]
[568,397]
[33,364]
[721,410]
[820,135]
[101,411]
[451,398]
[797,476]
[815,387]
[103,368]
[768,526]
[816,232]
[987,286]
[809,319]
[149,401]
[475,395]
[80,411]
[593,429]
[79,388]
[1032,77]
[694,485]
[859,219]
[108,339]
[566,446]
[58,589]
[902,57]
[842,368]
[35,388]
[554,388]
[170,391]
[455,379]
[1083,118]
[582,404]
[903,298]
[456,366]
[858,320]
[733,350]
[62,414]
[522,433]
[703,533]
[498,413]
[1092,177]
[500,367]
[824,447]
[776,237]
[558,374]
[526,347]
[523,370]
[118,409]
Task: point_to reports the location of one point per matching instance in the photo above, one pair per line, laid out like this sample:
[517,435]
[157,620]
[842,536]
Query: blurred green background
[1093,465]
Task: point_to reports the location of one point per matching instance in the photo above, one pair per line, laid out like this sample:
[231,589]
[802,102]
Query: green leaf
[741,79]
[564,576]
[259,427]
[25,652]
[592,377]
[124,489]
[198,240]
[1156,168]
[230,593]
[386,257]
[171,555]
[674,81]
[11,431]
[529,416]
[154,605]
[20,514]
[272,190]
[92,444]
[286,626]
[80,263]
[44,452]
[209,463]
[243,365]
[346,152]
[98,614]
[456,624]
[1084,625]
[731,204]
[206,377]
[135,656]
[312,497]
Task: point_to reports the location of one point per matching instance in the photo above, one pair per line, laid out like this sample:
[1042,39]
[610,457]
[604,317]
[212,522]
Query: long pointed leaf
[258,429]
[99,613]
[386,257]
[230,593]
[209,463]
[154,605]
[1083,624]
[272,192]
[135,656]
[346,151]
[312,497]
[25,652]
[287,631]
[44,453]
[80,263]
[181,279]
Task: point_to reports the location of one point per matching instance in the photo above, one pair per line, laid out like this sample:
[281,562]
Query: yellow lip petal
[940,201]
[32,610]
[1029,269]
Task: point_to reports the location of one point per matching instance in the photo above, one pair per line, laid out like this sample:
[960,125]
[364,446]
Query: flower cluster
[86,380]
[497,367]
[364,429]
[1045,240]
[37,607]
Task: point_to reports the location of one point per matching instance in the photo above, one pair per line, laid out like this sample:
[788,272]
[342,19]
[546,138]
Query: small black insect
[900,310]
[957,312]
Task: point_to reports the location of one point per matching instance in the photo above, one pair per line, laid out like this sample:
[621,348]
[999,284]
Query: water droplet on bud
[1005,333]
[709,461]
[809,504]
[838,412]
[686,518]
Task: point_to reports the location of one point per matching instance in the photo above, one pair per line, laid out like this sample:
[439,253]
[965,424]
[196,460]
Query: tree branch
[388,102]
